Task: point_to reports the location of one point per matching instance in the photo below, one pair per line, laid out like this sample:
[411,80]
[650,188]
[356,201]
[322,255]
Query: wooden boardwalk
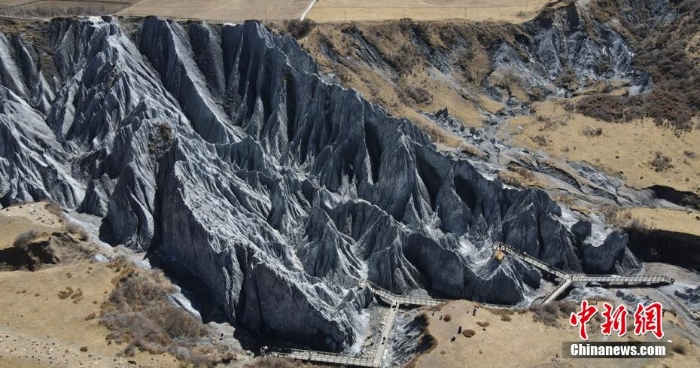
[377,359]
[530,259]
[323,357]
[569,278]
[395,301]
[386,333]
[401,299]
[558,291]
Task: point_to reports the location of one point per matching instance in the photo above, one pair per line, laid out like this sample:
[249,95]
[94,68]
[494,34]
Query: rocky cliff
[221,152]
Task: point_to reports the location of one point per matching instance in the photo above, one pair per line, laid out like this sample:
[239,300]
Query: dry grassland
[517,340]
[640,152]
[234,10]
[514,11]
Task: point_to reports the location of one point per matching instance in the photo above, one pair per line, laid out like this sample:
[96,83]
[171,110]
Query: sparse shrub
[417,95]
[679,347]
[537,93]
[65,293]
[690,154]
[91,316]
[540,140]
[546,314]
[567,80]
[54,209]
[447,318]
[501,312]
[138,313]
[548,124]
[160,140]
[525,173]
[468,333]
[592,132]
[617,216]
[76,230]
[272,362]
[566,307]
[509,179]
[506,318]
[606,108]
[482,324]
[569,106]
[83,348]
[299,28]
[25,238]
[660,162]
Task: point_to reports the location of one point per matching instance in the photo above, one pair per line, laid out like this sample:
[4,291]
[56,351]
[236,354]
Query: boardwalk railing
[402,299]
[324,357]
[530,259]
[558,291]
[386,332]
[396,300]
[603,279]
[621,280]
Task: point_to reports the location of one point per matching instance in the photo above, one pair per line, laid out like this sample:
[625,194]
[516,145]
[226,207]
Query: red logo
[615,320]
[581,318]
[646,319]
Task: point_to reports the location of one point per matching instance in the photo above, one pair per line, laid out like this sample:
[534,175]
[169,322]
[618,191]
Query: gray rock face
[690,296]
[571,41]
[221,152]
[581,230]
[612,256]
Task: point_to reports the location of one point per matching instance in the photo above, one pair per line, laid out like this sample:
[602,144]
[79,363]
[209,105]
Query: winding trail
[307,10]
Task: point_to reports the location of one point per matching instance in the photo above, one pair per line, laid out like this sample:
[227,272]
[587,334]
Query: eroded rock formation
[221,152]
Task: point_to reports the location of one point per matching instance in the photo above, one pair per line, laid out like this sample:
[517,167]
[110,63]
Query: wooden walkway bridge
[570,278]
[395,301]
[376,359]
[323,357]
[391,298]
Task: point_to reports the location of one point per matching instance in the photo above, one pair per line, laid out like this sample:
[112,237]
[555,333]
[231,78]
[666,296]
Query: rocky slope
[221,152]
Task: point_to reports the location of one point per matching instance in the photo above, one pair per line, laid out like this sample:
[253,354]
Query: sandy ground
[15,2]
[522,342]
[681,221]
[371,10]
[39,328]
[623,149]
[16,220]
[92,7]
[233,10]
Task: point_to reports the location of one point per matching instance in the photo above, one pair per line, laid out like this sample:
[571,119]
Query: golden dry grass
[521,342]
[235,10]
[389,89]
[625,149]
[16,220]
[36,324]
[680,221]
[514,11]
[33,313]
[51,8]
